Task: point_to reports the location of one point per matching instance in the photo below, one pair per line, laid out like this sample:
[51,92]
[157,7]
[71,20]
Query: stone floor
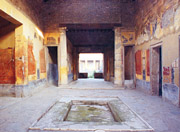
[90,84]
[17,114]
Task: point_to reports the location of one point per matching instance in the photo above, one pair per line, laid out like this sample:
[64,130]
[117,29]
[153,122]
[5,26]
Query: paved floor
[17,114]
[90,84]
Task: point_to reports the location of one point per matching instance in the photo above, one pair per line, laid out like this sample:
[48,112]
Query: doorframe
[58,58]
[153,47]
[179,69]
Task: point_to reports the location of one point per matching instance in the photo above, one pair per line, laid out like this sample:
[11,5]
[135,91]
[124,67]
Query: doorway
[129,66]
[53,65]
[91,65]
[156,70]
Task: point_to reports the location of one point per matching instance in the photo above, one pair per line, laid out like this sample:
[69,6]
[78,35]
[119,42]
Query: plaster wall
[160,26]
[27,35]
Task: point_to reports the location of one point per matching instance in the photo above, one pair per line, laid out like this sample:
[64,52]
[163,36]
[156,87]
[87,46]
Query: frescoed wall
[7,55]
[128,38]
[20,53]
[159,25]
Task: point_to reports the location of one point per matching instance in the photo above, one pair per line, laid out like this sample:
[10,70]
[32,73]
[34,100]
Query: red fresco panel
[42,61]
[138,62]
[147,62]
[31,61]
[7,66]
[167,74]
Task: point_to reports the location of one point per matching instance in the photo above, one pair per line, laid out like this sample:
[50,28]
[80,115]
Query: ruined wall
[29,57]
[158,23]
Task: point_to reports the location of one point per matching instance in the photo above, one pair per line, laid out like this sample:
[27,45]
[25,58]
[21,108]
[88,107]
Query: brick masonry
[87,12]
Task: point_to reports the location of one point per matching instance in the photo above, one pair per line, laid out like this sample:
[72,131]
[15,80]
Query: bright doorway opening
[91,65]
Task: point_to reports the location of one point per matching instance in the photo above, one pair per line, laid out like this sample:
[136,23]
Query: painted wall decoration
[51,40]
[138,62]
[42,61]
[175,63]
[31,60]
[167,18]
[128,37]
[167,74]
[7,66]
[154,23]
[21,60]
[147,63]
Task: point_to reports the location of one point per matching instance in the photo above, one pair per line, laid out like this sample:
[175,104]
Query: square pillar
[63,57]
[119,59]
[75,64]
[107,64]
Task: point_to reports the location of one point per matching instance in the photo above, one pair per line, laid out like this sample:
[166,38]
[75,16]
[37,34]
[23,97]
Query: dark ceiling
[4,22]
[87,14]
[90,37]
[6,26]
[49,15]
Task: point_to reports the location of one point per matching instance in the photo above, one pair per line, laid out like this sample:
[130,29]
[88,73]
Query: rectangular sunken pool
[90,114]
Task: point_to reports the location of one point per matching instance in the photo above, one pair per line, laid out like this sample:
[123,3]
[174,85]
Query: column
[106,64]
[75,64]
[63,57]
[104,70]
[119,59]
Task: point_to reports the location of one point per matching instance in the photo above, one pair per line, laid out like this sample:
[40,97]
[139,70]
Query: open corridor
[89,65]
[18,114]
